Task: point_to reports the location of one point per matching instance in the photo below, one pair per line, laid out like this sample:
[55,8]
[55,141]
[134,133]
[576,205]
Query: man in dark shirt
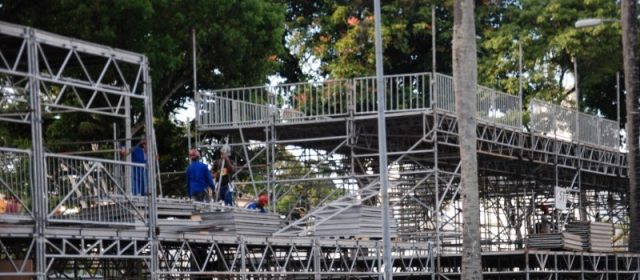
[223,169]
[198,178]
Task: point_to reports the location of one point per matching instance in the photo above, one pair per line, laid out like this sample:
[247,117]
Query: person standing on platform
[260,203]
[199,181]
[223,169]
[138,174]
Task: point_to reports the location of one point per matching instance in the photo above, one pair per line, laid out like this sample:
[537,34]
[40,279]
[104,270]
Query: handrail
[301,102]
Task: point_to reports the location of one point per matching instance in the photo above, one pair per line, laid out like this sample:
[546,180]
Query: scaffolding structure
[309,145]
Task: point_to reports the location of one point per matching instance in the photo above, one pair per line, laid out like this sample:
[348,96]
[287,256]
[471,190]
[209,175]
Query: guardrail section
[298,102]
[90,190]
[15,182]
[493,106]
[567,124]
[402,93]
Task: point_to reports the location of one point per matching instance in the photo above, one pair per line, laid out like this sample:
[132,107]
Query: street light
[589,22]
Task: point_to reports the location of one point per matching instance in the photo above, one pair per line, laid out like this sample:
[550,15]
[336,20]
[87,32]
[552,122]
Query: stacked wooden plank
[239,221]
[358,222]
[600,237]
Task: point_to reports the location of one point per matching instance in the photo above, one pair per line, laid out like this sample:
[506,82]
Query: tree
[464,85]
[239,43]
[546,31]
[632,85]
[339,34]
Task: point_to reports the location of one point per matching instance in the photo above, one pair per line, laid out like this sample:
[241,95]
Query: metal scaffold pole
[38,175]
[151,170]
[382,144]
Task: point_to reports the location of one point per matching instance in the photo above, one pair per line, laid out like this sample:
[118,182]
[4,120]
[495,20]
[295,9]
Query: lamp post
[632,85]
[591,22]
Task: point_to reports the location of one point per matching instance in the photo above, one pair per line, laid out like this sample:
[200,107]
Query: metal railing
[315,100]
[90,190]
[567,124]
[298,102]
[493,106]
[15,181]
[403,92]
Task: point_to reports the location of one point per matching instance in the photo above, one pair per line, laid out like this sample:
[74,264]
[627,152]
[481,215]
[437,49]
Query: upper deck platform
[321,115]
[407,94]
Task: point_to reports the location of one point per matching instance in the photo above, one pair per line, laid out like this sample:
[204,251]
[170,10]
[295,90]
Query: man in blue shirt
[263,200]
[138,174]
[198,178]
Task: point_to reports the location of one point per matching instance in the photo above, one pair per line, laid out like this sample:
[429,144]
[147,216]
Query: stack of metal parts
[177,208]
[600,237]
[572,242]
[175,214]
[597,237]
[545,241]
[180,225]
[580,229]
[563,240]
[111,212]
[239,221]
[579,236]
[356,222]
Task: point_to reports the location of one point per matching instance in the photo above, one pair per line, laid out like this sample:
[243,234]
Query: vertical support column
[382,142]
[127,137]
[243,258]
[526,264]
[151,168]
[270,140]
[582,196]
[38,176]
[433,41]
[436,175]
[431,260]
[317,251]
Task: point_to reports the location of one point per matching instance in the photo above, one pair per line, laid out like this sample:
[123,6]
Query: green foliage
[340,35]
[549,41]
[238,43]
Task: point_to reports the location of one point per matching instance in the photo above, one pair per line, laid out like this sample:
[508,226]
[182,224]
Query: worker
[199,180]
[138,173]
[263,200]
[223,169]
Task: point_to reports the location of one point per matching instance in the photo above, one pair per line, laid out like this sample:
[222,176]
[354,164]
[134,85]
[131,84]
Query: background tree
[338,36]
[465,74]
[549,40]
[238,44]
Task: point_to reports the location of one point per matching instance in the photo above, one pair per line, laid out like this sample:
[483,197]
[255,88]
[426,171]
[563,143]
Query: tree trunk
[465,74]
[632,85]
